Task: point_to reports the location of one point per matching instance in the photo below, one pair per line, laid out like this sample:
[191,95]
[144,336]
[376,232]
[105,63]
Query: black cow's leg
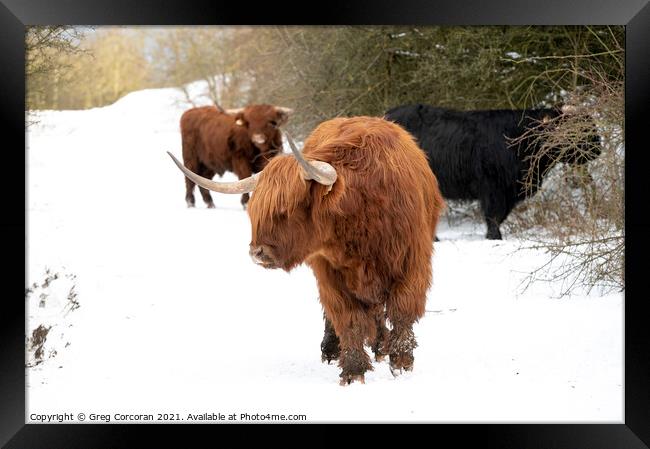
[330,347]
[495,217]
[205,193]
[493,231]
[495,210]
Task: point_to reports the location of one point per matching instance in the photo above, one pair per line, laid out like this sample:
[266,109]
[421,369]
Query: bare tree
[44,66]
[579,214]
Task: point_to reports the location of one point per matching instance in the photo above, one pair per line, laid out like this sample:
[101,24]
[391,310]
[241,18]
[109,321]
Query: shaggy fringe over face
[384,205]
[281,189]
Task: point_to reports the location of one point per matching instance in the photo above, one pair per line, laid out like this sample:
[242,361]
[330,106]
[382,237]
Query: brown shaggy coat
[369,240]
[215,142]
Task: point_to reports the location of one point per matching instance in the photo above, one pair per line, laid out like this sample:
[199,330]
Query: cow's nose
[263,255]
[256,253]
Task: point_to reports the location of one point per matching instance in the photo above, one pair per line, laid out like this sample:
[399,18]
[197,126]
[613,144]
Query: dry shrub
[578,215]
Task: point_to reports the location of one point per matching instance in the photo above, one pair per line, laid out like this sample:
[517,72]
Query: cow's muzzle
[263,255]
[259,139]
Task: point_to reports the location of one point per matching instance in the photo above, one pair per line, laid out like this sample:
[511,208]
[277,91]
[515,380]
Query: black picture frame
[634,14]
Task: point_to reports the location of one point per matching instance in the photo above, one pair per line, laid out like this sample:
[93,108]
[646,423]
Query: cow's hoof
[328,357]
[210,205]
[349,378]
[380,352]
[395,371]
[493,235]
[329,347]
[330,350]
[400,363]
[190,205]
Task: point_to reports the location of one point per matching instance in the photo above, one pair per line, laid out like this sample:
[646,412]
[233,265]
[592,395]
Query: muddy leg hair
[354,360]
[350,318]
[401,343]
[404,307]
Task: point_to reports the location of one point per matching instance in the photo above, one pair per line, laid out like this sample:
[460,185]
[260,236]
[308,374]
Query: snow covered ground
[173,317]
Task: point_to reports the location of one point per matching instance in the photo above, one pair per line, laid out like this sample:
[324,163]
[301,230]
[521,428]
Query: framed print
[420,213]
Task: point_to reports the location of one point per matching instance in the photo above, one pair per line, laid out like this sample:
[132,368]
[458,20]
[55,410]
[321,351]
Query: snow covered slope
[173,317]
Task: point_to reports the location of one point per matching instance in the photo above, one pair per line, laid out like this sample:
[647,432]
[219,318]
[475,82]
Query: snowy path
[175,318]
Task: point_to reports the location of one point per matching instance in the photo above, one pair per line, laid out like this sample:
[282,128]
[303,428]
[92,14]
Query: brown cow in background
[361,209]
[241,141]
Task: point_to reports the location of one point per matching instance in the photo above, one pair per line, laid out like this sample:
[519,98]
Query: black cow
[472,154]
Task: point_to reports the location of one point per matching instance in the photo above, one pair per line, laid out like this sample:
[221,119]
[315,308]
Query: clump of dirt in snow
[37,341]
[50,303]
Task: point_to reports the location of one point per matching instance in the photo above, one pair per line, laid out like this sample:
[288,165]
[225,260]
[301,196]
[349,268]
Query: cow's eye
[273,123]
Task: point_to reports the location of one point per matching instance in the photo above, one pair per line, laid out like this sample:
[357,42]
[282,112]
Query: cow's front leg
[329,347]
[353,361]
[404,308]
[401,343]
[242,168]
[205,193]
[354,325]
[192,165]
[352,322]
[493,231]
[380,344]
[496,208]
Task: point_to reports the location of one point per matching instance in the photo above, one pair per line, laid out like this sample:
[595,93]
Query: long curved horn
[234,111]
[245,185]
[319,171]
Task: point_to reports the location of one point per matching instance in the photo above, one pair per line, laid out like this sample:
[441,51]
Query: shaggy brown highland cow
[241,141]
[360,206]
